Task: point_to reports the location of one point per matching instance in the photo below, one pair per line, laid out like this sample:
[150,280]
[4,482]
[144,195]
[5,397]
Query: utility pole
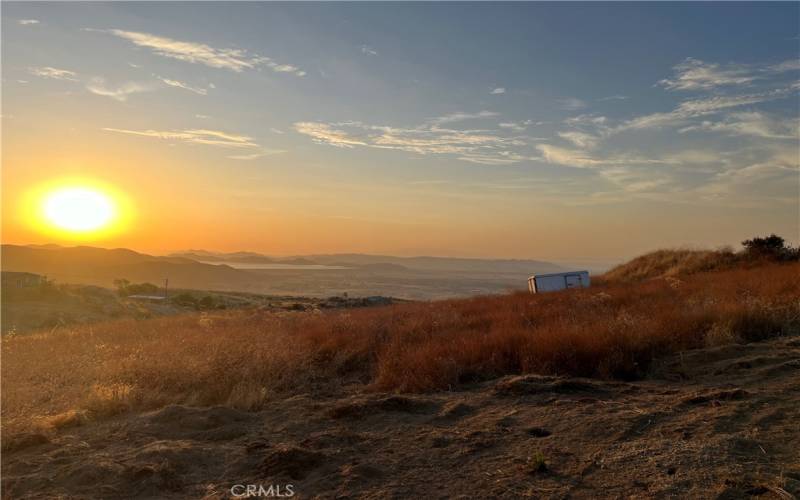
[166,286]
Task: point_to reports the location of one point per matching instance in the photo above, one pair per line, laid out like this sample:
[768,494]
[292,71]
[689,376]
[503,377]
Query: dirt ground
[711,423]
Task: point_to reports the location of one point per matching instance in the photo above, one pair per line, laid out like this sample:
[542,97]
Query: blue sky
[491,129]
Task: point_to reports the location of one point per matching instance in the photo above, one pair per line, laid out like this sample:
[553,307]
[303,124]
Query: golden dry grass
[663,263]
[245,358]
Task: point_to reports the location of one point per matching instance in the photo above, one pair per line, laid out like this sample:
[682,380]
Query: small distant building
[13,279]
[552,282]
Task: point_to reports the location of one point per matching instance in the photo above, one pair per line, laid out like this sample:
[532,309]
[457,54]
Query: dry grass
[664,263]
[245,358]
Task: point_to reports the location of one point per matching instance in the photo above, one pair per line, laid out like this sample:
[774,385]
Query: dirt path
[712,423]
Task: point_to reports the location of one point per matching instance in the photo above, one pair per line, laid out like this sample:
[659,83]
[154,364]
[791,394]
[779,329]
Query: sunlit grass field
[246,358]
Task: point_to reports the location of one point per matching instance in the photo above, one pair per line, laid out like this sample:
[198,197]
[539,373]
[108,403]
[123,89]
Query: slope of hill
[663,263]
[692,394]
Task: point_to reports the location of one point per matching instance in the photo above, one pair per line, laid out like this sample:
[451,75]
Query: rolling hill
[100,266]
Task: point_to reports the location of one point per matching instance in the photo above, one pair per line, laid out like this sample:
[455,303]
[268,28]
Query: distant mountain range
[357,274]
[453,264]
[100,266]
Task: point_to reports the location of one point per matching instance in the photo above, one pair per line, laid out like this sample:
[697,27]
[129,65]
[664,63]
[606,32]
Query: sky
[557,131]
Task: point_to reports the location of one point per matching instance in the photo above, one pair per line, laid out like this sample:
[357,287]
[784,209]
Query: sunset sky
[552,131]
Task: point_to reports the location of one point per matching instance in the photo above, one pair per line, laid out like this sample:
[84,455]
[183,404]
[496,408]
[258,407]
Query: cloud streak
[694,74]
[571,103]
[580,139]
[460,117]
[750,123]
[120,93]
[236,60]
[53,73]
[431,138]
[205,137]
[516,126]
[184,86]
[701,107]
[322,133]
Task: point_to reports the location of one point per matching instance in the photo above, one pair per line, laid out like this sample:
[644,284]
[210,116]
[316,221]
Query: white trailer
[539,283]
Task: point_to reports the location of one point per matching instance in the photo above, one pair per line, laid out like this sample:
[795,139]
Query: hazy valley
[357,275]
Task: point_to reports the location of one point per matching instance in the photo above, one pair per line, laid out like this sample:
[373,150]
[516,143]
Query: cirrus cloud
[236,60]
[475,146]
[53,73]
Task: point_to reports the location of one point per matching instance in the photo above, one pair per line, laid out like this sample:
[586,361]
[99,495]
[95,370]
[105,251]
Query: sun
[79,209]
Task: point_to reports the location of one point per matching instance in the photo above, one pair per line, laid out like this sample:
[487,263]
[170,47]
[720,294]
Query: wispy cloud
[199,53]
[694,74]
[498,158]
[368,50]
[587,119]
[567,157]
[498,90]
[790,65]
[323,133]
[194,136]
[120,93]
[184,86]
[28,22]
[580,158]
[700,107]
[236,60]
[580,139]
[255,156]
[516,126]
[774,170]
[614,98]
[639,181]
[284,68]
[750,123]
[476,146]
[459,117]
[53,73]
[99,86]
[571,103]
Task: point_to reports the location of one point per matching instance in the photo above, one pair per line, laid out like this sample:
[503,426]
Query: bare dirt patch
[724,432]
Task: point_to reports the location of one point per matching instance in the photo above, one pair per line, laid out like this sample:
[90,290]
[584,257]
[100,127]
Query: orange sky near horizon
[171,211]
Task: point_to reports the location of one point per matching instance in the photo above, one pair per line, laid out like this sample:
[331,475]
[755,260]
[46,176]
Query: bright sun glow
[79,209]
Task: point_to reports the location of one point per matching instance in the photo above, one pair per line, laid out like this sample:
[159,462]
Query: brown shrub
[245,358]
